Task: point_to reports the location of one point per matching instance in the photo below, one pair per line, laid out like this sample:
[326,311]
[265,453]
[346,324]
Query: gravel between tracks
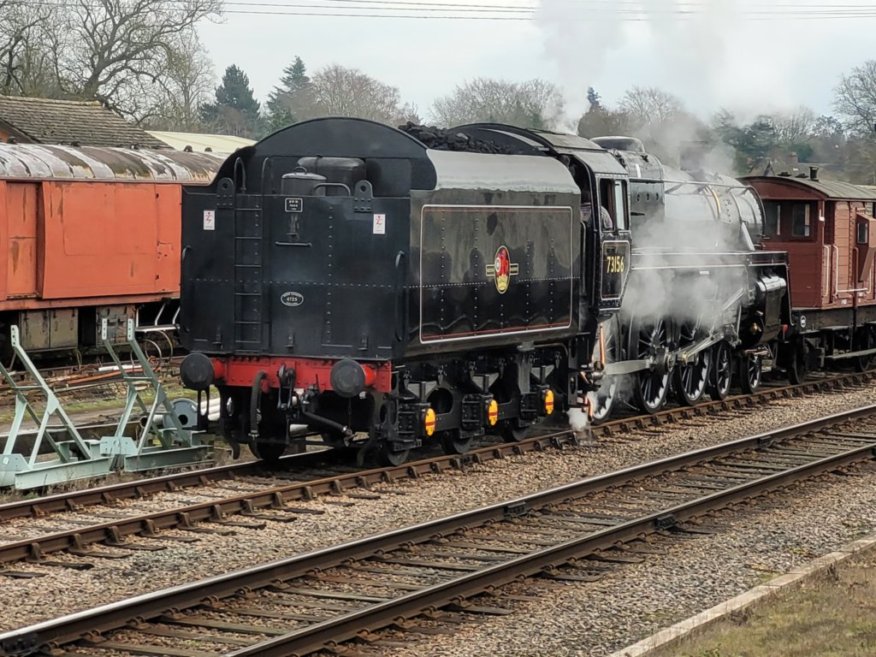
[633,601]
[406,502]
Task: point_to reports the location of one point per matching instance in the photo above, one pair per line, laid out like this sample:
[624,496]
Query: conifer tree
[290,99]
[235,110]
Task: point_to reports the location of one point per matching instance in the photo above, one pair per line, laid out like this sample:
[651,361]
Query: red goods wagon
[87,233]
[827,229]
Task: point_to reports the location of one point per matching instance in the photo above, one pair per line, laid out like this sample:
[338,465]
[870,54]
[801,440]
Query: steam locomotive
[705,303]
[414,286]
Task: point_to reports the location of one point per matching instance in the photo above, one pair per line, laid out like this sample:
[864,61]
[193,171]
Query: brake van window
[772,221]
[800,220]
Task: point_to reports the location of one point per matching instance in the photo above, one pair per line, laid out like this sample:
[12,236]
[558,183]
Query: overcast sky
[747,55]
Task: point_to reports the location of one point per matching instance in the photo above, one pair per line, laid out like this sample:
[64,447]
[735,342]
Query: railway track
[76,500]
[264,497]
[408,577]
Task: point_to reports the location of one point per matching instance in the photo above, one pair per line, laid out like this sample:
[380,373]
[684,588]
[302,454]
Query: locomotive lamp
[493,412]
[429,421]
[548,401]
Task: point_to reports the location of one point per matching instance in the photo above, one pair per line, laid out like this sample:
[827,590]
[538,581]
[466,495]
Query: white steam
[711,54]
[579,422]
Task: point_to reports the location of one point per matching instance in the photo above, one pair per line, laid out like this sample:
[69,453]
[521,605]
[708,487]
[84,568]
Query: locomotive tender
[419,285]
[343,275]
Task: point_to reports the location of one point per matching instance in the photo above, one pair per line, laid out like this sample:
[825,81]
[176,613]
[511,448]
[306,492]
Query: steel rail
[114,616]
[141,487]
[39,507]
[115,532]
[344,628]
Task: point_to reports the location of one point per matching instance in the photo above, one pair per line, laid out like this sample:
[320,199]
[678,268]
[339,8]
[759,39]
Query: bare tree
[855,98]
[186,85]
[115,50]
[339,91]
[794,127]
[531,104]
[24,56]
[650,106]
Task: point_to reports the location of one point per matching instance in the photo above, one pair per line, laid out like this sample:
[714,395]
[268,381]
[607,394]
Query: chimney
[813,173]
[793,160]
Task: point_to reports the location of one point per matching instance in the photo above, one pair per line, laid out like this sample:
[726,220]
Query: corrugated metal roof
[199,142]
[30,161]
[85,123]
[830,189]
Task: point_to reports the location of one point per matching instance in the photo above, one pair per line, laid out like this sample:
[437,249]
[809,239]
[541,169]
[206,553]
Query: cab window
[613,198]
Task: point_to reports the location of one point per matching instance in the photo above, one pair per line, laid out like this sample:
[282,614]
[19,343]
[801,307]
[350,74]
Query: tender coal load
[452,140]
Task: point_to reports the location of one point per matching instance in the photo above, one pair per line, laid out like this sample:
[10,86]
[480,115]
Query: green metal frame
[76,458]
[163,442]
[176,445]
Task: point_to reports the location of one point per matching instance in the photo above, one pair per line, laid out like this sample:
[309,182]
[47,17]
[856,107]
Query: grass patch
[831,615]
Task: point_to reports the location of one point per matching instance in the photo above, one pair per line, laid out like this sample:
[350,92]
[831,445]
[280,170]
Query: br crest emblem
[502,269]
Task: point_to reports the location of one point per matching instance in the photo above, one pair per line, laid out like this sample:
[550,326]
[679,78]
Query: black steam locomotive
[342,275]
[705,303]
[417,285]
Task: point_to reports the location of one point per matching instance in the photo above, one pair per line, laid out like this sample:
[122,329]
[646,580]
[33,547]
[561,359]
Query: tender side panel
[208,285]
[100,239]
[492,270]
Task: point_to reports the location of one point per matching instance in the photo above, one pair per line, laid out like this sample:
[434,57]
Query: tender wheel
[865,340]
[722,371]
[750,373]
[511,433]
[692,380]
[452,443]
[651,340]
[389,457]
[270,453]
